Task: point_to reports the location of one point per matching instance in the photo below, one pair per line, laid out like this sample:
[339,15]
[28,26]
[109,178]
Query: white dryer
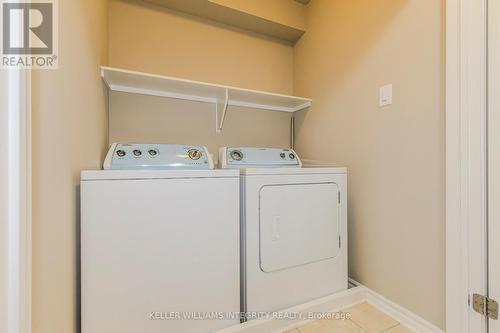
[159,242]
[293,228]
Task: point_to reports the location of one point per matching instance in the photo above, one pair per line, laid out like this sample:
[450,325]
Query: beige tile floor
[365,318]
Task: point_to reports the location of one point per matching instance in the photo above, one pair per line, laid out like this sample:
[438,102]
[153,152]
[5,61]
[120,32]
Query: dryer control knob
[194,154]
[236,155]
[121,153]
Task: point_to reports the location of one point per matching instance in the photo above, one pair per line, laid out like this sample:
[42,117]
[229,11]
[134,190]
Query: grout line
[384,330]
[358,326]
[390,328]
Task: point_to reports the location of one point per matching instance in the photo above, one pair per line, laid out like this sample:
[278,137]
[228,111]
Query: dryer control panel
[253,157]
[133,156]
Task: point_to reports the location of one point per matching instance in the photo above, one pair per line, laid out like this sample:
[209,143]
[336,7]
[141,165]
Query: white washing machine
[159,242]
[293,228]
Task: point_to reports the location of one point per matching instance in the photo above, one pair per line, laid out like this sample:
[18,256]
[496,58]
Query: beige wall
[395,155]
[138,118]
[153,39]
[69,134]
[171,43]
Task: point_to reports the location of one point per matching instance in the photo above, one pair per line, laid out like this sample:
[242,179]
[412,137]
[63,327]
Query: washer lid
[299,224]
[89,175]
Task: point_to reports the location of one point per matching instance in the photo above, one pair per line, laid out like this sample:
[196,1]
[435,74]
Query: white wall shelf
[221,96]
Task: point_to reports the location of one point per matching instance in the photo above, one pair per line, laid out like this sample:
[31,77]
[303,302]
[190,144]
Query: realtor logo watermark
[29,34]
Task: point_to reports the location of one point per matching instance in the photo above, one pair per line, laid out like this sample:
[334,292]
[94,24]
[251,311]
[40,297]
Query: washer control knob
[121,153]
[153,152]
[283,155]
[236,155]
[194,154]
[292,156]
[137,152]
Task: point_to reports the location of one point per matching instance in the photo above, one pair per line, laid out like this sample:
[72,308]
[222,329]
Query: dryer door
[299,224]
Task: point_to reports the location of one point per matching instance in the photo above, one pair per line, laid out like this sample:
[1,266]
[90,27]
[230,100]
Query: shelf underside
[233,17]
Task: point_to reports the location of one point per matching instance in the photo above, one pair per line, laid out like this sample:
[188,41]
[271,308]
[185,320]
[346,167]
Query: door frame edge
[466,156]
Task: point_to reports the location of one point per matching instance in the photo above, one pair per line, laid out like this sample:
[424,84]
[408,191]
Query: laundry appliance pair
[171,244]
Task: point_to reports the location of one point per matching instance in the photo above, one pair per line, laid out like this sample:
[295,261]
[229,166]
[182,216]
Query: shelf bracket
[221,106]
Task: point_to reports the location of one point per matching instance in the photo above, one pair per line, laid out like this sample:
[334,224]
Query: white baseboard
[396,311]
[330,303]
[404,316]
[337,302]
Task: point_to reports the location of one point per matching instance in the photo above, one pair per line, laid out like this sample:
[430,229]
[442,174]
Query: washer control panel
[252,157]
[133,156]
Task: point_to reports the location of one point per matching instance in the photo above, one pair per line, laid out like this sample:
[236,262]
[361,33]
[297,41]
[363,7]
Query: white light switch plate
[385,95]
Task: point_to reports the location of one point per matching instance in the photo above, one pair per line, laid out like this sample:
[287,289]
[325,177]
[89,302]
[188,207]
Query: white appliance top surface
[156,174]
[305,170]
